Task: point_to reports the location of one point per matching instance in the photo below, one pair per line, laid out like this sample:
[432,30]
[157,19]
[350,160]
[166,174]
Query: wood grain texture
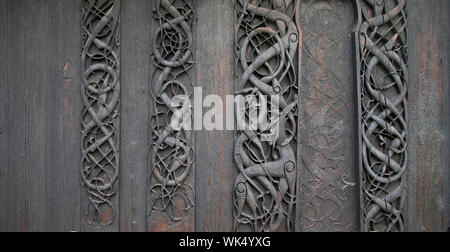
[136,34]
[446,113]
[54,119]
[36,84]
[63,112]
[428,48]
[70,63]
[214,149]
[3,116]
[18,12]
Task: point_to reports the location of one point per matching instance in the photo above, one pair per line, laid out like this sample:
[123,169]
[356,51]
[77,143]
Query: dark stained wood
[328,168]
[446,113]
[136,51]
[428,48]
[18,12]
[70,62]
[36,84]
[54,119]
[3,117]
[214,150]
[63,112]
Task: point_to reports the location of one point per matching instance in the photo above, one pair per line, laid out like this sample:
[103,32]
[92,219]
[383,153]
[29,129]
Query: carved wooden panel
[384,84]
[328,189]
[100,92]
[266,51]
[171,191]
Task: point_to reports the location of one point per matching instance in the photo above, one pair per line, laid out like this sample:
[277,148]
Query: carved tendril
[266,48]
[100,116]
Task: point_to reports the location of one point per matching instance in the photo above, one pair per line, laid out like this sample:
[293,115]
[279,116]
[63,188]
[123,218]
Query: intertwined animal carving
[171,152]
[384,83]
[100,117]
[266,51]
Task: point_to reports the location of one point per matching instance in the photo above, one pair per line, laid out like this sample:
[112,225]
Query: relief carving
[383,84]
[266,62]
[172,154]
[100,92]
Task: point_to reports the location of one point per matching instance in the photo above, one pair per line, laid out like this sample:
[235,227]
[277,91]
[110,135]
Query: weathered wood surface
[40,108]
[428,114]
[3,118]
[136,34]
[329,198]
[214,149]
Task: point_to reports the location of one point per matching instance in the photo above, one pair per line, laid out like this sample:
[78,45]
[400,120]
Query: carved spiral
[100,117]
[266,47]
[171,153]
[384,83]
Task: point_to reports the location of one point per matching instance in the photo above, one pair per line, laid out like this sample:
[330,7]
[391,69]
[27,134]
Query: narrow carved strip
[100,93]
[266,53]
[172,155]
[383,84]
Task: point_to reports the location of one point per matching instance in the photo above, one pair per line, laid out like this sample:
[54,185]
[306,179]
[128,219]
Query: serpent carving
[100,93]
[172,155]
[266,51]
[384,83]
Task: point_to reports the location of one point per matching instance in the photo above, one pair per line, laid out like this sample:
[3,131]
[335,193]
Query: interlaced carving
[326,178]
[384,78]
[266,47]
[172,153]
[100,116]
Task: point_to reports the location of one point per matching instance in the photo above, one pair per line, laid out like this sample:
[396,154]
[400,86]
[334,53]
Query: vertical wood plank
[426,54]
[63,111]
[3,116]
[214,150]
[36,84]
[445,112]
[136,37]
[329,199]
[71,64]
[18,10]
[54,130]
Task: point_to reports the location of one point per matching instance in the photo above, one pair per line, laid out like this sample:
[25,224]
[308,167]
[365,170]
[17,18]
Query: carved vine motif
[266,52]
[100,116]
[326,178]
[172,154]
[384,78]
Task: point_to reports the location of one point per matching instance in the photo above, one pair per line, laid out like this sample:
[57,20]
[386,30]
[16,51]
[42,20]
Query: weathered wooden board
[3,117]
[428,67]
[328,178]
[63,116]
[18,31]
[136,51]
[214,149]
[71,77]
